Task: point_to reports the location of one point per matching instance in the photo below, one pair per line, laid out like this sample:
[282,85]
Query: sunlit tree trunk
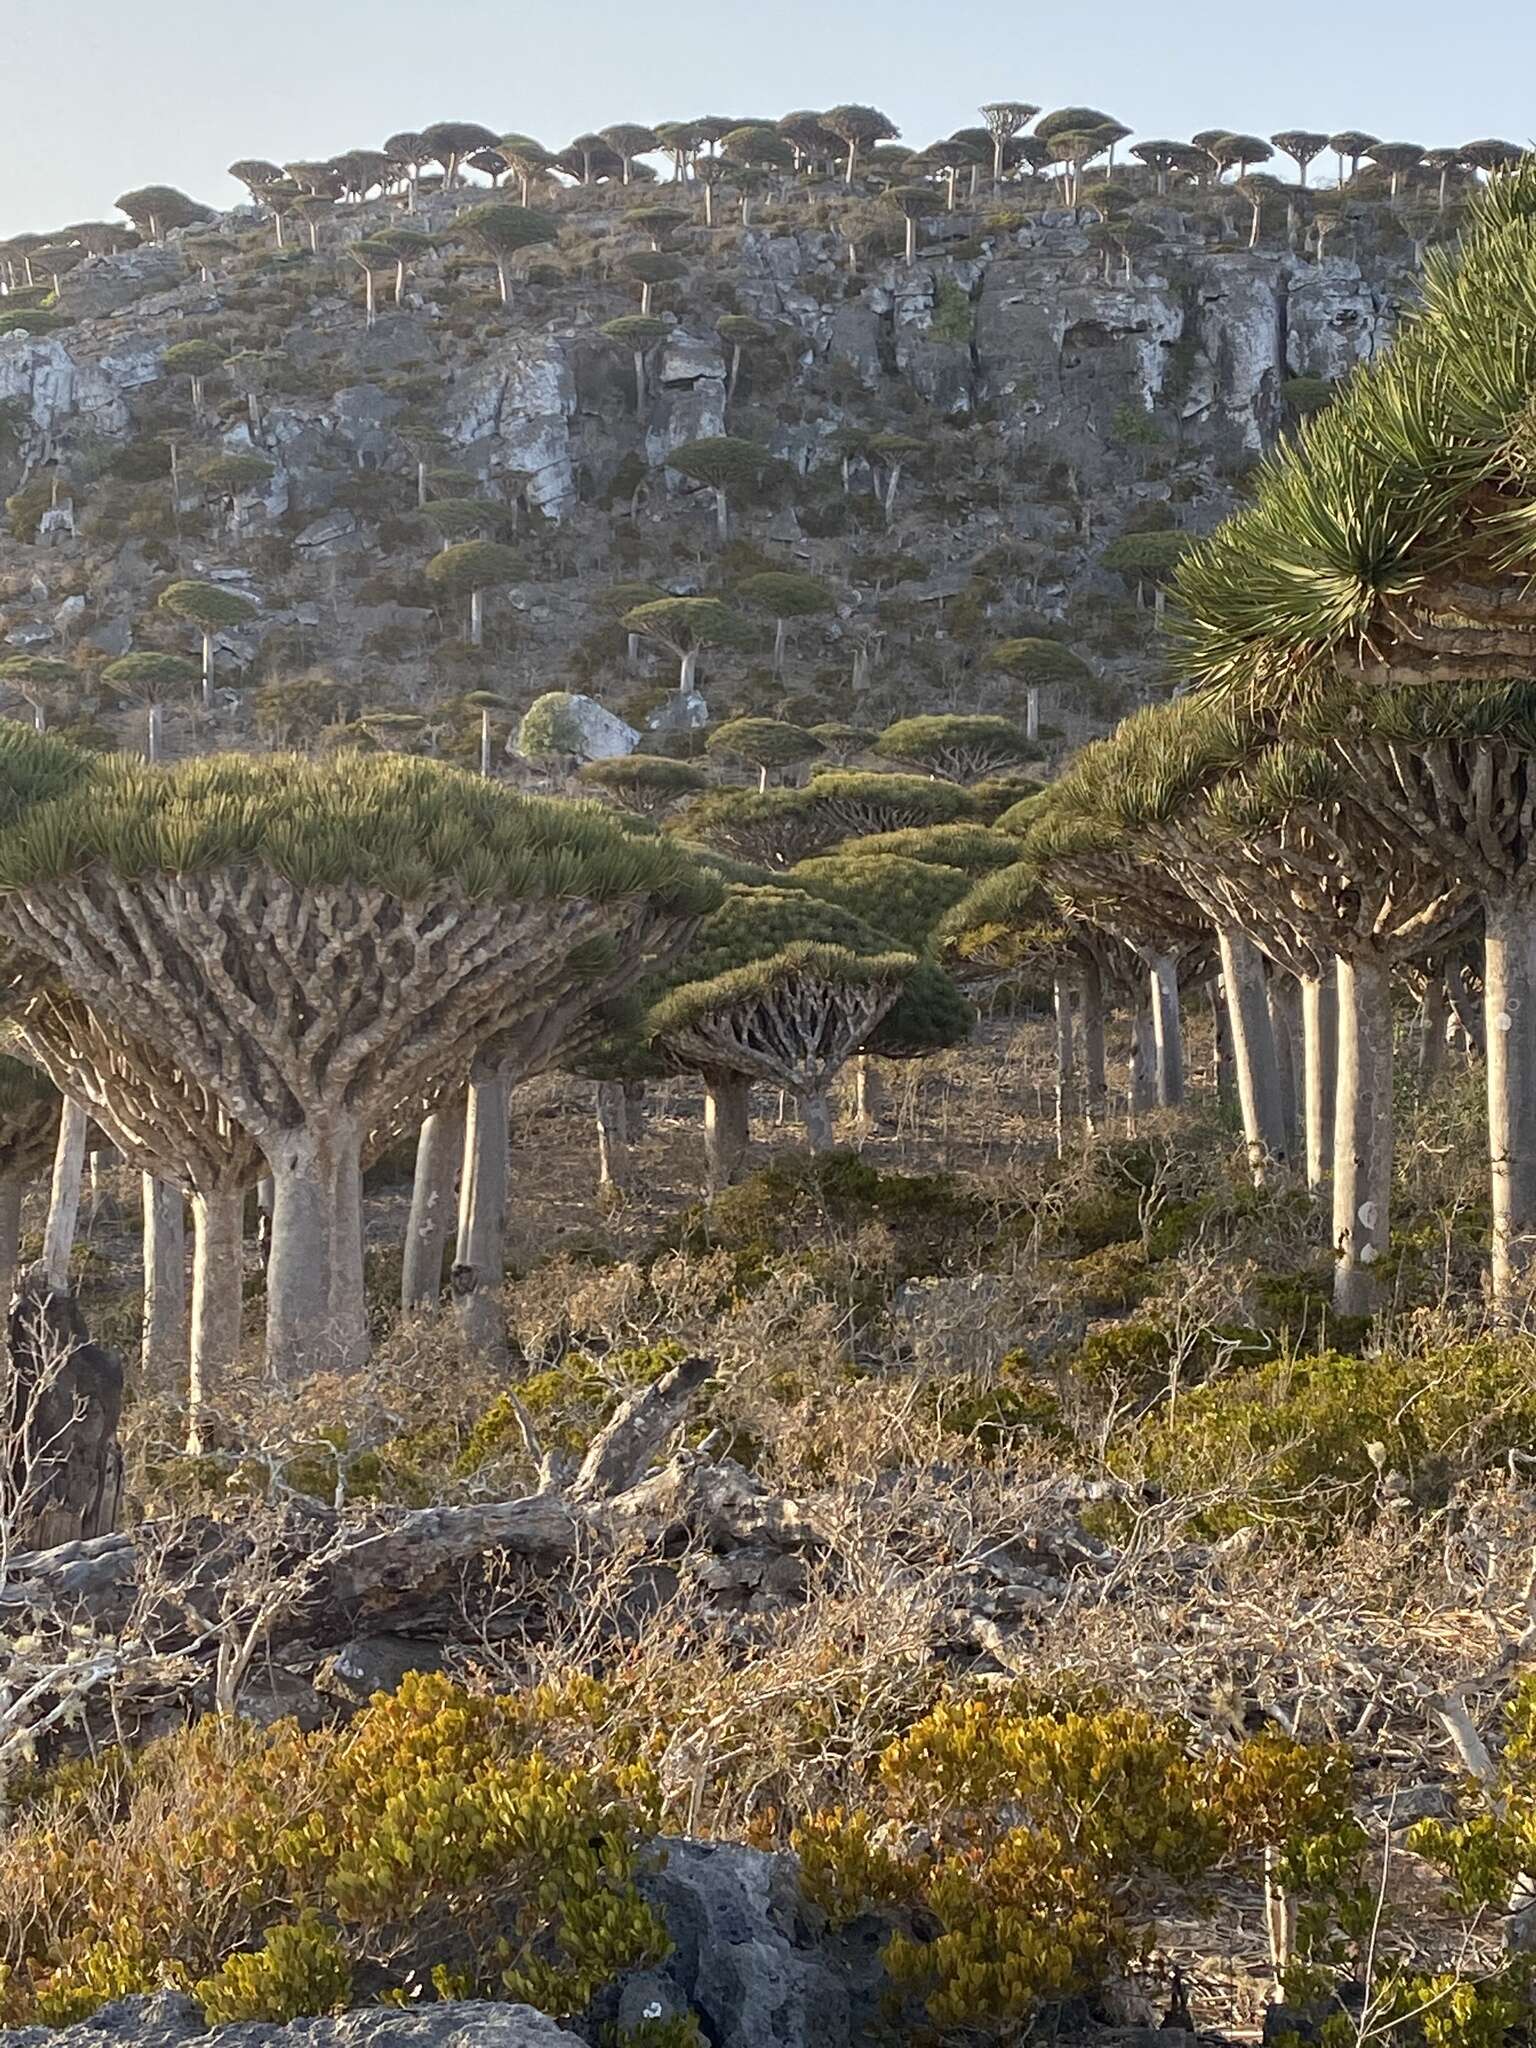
[64,1194]
[439,1154]
[1509,1007]
[1253,1050]
[165,1277]
[727,1128]
[1363,1129]
[480,1260]
[1320,1049]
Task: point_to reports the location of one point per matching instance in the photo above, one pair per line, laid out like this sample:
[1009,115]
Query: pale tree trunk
[1095,1080]
[439,1153]
[612,1135]
[687,671]
[207,671]
[868,1096]
[165,1277]
[722,514]
[1320,1050]
[480,1260]
[1167,1030]
[815,1108]
[1066,1063]
[218,1274]
[1285,1025]
[485,741]
[315,1305]
[12,1188]
[1509,1007]
[476,618]
[1362,1140]
[1253,1049]
[64,1195]
[1221,1033]
[778,647]
[152,737]
[1143,1076]
[727,1128]
[1429,1034]
[634,1110]
[1032,712]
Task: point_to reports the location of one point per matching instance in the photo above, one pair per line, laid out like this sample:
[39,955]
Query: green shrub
[441,1840]
[1305,1442]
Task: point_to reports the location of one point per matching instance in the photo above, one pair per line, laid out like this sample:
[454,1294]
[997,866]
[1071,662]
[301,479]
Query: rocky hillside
[1054,388]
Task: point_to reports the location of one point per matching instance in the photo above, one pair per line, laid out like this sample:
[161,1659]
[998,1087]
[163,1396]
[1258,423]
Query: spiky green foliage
[763,742]
[958,747]
[474,565]
[684,624]
[192,358]
[406,826]
[645,783]
[843,741]
[27,672]
[150,678]
[1417,468]
[972,848]
[206,605]
[784,825]
[905,899]
[460,519]
[501,229]
[235,473]
[1007,920]
[35,768]
[723,461]
[550,725]
[755,984]
[1146,557]
[1039,664]
[758,924]
[783,594]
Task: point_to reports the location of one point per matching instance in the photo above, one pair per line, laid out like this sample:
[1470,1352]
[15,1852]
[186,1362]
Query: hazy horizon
[163,101]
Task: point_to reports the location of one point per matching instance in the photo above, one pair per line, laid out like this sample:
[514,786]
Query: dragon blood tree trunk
[1062,994]
[178,1136]
[1167,1030]
[306,1015]
[480,1258]
[1320,1057]
[165,1276]
[1509,1009]
[64,1194]
[612,1134]
[727,1128]
[1285,1026]
[815,1106]
[1429,1029]
[1143,1074]
[1363,1131]
[1253,1049]
[439,1155]
[1095,1080]
[12,1188]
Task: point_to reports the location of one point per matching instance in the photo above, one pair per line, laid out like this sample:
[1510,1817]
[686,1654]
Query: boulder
[172,2020]
[745,1957]
[565,722]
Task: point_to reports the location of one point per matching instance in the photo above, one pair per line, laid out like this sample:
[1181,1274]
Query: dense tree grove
[730,822]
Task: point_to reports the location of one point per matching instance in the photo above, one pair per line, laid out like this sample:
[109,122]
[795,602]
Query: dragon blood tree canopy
[315,942]
[1387,555]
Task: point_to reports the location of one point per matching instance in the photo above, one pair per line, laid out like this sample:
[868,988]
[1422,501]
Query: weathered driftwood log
[311,1576]
[61,1467]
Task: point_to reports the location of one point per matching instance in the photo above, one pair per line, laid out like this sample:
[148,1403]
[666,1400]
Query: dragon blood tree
[29,1130]
[1008,931]
[172,1130]
[957,747]
[904,900]
[314,943]
[776,987]
[779,826]
[1098,875]
[1385,561]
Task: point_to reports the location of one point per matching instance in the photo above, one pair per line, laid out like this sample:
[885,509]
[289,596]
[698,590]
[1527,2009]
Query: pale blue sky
[103,95]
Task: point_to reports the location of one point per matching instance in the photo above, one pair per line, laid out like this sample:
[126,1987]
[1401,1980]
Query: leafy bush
[1306,1442]
[1036,1841]
[440,1841]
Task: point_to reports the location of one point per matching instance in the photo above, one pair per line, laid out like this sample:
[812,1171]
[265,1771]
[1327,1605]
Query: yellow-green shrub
[1035,1839]
[444,1837]
[300,1968]
[1288,1440]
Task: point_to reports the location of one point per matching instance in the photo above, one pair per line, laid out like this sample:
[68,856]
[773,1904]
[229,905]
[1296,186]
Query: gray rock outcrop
[174,2021]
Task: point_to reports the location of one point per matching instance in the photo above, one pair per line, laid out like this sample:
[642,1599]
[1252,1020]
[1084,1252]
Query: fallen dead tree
[183,1607]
